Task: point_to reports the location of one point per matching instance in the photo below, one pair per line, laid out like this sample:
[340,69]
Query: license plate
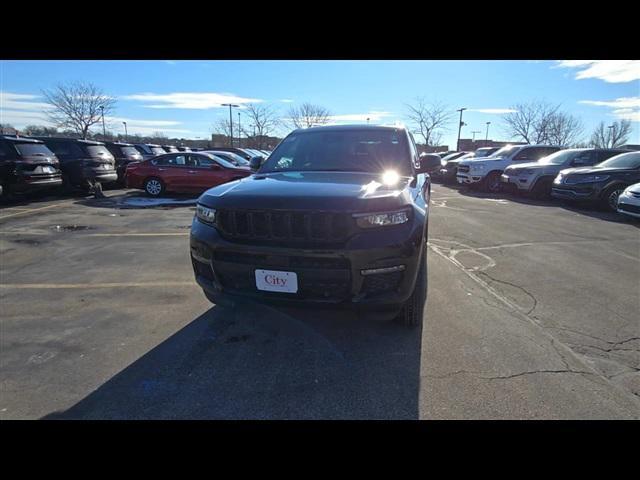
[275,281]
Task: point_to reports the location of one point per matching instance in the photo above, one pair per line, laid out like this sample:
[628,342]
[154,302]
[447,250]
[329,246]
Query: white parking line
[32,210]
[93,285]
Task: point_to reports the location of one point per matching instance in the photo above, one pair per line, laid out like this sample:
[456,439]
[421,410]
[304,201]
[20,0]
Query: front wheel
[413,310]
[610,197]
[153,186]
[492,183]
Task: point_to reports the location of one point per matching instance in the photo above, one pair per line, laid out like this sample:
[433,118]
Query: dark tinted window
[37,149]
[65,149]
[588,157]
[129,151]
[97,150]
[365,150]
[626,160]
[141,150]
[5,150]
[534,154]
[606,154]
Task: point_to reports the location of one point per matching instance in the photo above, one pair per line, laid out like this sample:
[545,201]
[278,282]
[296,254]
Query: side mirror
[428,163]
[255,163]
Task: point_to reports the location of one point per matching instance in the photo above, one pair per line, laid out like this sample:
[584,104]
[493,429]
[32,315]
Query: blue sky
[182,98]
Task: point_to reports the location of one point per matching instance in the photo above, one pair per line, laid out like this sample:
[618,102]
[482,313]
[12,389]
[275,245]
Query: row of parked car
[608,177]
[34,163]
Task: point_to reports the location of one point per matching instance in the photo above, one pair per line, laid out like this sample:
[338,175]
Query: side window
[160,161]
[522,155]
[4,150]
[177,160]
[200,161]
[532,154]
[585,158]
[606,154]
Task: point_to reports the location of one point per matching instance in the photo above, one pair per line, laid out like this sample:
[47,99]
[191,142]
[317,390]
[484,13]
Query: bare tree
[221,127]
[429,119]
[78,106]
[531,122]
[308,115]
[7,128]
[40,130]
[611,136]
[263,121]
[563,129]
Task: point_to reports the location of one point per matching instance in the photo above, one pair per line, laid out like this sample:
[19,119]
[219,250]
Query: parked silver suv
[536,178]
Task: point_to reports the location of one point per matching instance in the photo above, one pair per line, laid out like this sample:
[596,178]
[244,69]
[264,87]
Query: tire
[542,189]
[154,186]
[610,197]
[412,311]
[492,183]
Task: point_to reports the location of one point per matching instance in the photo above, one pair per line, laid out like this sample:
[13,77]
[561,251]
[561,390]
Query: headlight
[205,214]
[371,220]
[586,178]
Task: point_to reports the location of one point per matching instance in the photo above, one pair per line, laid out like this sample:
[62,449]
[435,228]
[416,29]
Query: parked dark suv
[601,183]
[336,215]
[26,165]
[124,154]
[83,162]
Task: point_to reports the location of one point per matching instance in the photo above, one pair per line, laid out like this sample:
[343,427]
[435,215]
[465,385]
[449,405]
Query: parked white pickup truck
[485,172]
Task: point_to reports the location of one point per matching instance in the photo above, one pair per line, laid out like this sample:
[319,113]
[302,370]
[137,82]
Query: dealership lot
[532,313]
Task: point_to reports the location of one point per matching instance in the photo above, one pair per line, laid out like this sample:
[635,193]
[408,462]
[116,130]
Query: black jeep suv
[26,165]
[336,215]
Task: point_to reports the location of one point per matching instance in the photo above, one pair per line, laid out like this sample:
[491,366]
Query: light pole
[486,139]
[609,138]
[460,127]
[239,131]
[367,120]
[104,131]
[473,140]
[126,135]
[230,105]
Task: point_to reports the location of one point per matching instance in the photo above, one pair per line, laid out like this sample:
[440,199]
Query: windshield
[171,149]
[626,160]
[157,150]
[342,150]
[504,151]
[36,149]
[560,157]
[483,153]
[232,158]
[98,151]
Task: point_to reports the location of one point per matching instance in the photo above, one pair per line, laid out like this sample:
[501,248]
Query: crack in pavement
[504,377]
[591,371]
[519,287]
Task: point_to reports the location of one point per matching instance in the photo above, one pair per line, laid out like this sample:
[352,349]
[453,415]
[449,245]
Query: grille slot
[381,283]
[283,226]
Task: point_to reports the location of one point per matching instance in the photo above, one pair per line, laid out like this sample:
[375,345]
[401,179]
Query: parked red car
[184,172]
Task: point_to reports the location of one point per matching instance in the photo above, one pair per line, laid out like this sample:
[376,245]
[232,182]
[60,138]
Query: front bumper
[578,192]
[629,206]
[226,270]
[468,178]
[523,183]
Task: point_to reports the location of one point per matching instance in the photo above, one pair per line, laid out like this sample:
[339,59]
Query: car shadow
[259,362]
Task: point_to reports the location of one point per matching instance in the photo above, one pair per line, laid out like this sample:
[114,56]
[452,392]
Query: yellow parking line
[94,285]
[30,211]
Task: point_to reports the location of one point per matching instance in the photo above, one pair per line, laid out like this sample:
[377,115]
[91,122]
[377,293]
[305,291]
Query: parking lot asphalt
[532,313]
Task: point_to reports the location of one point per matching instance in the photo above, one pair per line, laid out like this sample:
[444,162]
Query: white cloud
[611,71]
[373,116]
[286,100]
[493,110]
[143,127]
[190,100]
[627,108]
[21,101]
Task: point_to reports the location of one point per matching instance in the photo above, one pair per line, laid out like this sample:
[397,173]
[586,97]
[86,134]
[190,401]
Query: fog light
[375,271]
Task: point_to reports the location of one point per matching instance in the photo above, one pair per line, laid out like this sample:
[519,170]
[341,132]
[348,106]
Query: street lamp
[230,105]
[104,131]
[239,131]
[460,127]
[610,138]
[126,135]
[487,137]
[474,135]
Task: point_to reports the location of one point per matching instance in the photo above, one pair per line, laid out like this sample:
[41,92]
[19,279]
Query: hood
[593,170]
[469,161]
[635,188]
[343,191]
